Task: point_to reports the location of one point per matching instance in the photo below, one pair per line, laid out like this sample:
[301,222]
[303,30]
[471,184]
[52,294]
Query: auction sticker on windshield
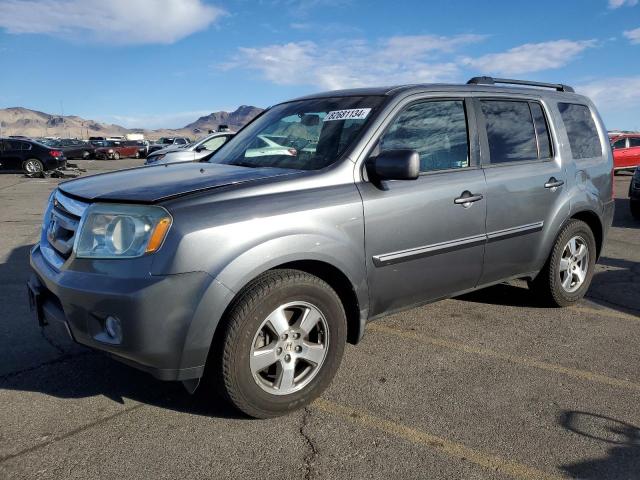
[351,114]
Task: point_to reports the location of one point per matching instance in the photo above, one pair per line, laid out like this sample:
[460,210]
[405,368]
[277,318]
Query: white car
[192,152]
[265,145]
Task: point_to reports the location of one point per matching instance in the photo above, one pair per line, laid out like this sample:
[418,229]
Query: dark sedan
[634,194]
[73,148]
[29,156]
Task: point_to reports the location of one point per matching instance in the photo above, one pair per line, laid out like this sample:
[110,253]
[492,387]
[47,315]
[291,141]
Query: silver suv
[255,268]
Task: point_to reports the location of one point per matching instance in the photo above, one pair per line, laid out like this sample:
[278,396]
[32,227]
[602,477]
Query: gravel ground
[489,385]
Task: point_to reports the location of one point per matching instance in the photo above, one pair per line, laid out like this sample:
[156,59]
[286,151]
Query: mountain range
[32,123]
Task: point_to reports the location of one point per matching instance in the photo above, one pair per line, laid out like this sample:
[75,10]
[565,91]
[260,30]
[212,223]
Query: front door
[525,185]
[422,240]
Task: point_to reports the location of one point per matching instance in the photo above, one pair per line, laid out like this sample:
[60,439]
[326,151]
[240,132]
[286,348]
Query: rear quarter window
[581,130]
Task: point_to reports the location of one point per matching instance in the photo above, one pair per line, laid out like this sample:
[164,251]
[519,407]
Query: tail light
[55,153]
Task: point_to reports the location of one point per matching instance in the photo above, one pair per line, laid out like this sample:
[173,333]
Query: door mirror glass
[401,164]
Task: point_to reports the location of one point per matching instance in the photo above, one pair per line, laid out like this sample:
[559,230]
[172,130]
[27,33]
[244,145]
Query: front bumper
[155,312]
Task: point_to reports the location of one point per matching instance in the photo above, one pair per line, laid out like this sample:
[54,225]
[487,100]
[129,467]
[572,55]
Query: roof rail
[492,81]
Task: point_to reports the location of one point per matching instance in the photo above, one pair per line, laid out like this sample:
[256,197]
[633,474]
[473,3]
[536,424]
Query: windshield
[303,135]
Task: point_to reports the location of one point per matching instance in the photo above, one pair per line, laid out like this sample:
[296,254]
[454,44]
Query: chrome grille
[59,230]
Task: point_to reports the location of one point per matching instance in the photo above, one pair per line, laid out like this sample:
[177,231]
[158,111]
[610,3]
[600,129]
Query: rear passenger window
[510,131]
[581,130]
[634,142]
[437,130]
[622,143]
[542,130]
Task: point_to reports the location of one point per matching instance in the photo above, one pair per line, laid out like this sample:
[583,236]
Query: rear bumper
[54,163]
[155,312]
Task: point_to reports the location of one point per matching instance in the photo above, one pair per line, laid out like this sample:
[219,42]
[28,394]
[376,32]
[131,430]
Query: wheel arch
[592,219]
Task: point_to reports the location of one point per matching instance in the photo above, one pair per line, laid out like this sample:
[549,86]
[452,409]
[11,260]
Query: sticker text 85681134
[351,114]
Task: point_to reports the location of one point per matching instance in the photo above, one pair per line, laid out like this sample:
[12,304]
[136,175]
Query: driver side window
[437,130]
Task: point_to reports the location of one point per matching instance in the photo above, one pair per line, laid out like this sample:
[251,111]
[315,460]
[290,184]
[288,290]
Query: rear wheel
[33,165]
[282,344]
[567,274]
[137,155]
[634,205]
[85,155]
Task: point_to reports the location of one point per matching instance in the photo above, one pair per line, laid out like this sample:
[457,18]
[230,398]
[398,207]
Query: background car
[116,150]
[73,148]
[164,142]
[192,152]
[29,156]
[268,145]
[626,151]
[634,194]
[143,147]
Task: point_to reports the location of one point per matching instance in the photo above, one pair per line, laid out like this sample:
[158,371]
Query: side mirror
[200,148]
[401,164]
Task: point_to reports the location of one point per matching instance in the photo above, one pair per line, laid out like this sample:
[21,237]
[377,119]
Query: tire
[32,165]
[137,155]
[634,206]
[116,156]
[85,155]
[559,288]
[270,392]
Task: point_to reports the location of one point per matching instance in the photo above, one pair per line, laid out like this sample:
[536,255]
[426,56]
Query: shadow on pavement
[622,461]
[75,371]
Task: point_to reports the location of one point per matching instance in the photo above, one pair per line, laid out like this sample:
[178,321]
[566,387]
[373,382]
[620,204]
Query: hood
[155,183]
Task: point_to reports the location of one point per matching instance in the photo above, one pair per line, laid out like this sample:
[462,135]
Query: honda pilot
[252,270]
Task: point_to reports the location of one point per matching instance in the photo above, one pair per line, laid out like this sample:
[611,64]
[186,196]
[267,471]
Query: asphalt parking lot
[490,385]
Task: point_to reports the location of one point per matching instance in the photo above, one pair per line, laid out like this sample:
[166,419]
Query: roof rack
[492,81]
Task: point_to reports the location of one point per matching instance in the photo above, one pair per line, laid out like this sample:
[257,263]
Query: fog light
[113,328]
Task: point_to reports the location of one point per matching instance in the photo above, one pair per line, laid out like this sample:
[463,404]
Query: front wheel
[282,344]
[566,276]
[116,156]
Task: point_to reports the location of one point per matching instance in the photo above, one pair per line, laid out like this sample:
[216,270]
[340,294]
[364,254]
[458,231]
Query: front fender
[251,264]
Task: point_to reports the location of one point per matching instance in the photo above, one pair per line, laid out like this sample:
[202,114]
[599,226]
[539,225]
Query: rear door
[420,243]
[525,184]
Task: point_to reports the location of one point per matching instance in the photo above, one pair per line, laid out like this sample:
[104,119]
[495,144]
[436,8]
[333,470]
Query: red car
[626,150]
[116,150]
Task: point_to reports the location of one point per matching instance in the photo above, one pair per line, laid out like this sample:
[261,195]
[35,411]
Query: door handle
[467,198]
[553,183]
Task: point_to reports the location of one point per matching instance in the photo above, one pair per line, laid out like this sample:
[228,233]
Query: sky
[164,63]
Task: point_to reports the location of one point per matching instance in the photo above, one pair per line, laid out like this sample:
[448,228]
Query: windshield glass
[303,135]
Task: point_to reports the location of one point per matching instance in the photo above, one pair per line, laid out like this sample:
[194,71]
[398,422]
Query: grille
[60,231]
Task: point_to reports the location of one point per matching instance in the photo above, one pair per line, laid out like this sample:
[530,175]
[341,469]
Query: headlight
[121,231]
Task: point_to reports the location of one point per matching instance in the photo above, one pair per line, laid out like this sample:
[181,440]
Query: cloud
[622,3]
[611,94]
[530,57]
[633,36]
[355,63]
[303,8]
[111,21]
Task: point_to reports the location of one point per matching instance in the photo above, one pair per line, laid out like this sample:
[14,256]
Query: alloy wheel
[32,166]
[289,348]
[574,264]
